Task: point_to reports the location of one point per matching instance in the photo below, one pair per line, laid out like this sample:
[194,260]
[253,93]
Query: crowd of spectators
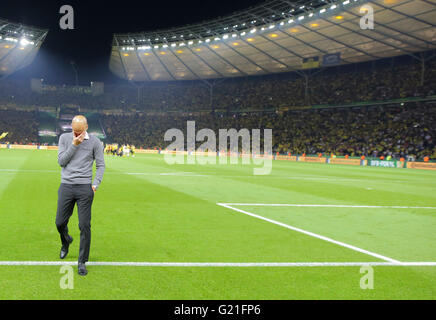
[398,131]
[22,126]
[14,92]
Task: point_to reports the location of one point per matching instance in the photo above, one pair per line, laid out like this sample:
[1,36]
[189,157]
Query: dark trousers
[68,196]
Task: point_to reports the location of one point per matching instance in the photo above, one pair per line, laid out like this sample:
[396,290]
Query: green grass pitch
[148,211]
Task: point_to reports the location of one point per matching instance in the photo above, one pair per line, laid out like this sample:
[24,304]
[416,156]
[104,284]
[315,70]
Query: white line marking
[170,174]
[311,234]
[221,264]
[321,206]
[29,170]
[208,174]
[182,174]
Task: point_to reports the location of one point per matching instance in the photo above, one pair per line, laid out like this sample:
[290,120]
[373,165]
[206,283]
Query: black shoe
[64,249]
[82,269]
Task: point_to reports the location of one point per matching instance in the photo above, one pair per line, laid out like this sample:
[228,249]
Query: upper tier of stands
[373,81]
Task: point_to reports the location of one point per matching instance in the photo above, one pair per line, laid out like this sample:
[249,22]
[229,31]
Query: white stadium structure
[277,36]
[19,45]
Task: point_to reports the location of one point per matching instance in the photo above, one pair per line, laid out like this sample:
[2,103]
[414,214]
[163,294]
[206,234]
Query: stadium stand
[372,131]
[377,97]
[376,127]
[47,133]
[22,126]
[392,78]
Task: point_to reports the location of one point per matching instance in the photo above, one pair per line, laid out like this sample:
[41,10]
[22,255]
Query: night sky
[89,45]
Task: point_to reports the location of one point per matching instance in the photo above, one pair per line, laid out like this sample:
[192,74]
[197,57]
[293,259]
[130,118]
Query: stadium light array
[11,39]
[24,42]
[241,33]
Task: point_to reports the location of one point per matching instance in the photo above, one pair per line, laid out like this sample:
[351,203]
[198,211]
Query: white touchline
[320,206]
[29,170]
[222,264]
[228,206]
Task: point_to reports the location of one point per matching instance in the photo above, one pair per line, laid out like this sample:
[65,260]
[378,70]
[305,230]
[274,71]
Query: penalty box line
[223,264]
[312,234]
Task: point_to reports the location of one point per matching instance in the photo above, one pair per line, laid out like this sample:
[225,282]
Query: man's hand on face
[79,139]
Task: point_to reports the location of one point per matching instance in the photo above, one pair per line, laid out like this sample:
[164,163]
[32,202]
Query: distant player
[126,151]
[108,149]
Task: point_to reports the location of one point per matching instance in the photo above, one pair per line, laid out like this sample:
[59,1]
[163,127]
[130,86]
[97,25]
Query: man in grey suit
[77,152]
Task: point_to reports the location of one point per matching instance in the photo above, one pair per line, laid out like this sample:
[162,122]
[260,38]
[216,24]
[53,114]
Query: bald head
[79,125]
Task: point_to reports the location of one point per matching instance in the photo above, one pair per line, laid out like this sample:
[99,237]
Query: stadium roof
[19,45]
[275,37]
